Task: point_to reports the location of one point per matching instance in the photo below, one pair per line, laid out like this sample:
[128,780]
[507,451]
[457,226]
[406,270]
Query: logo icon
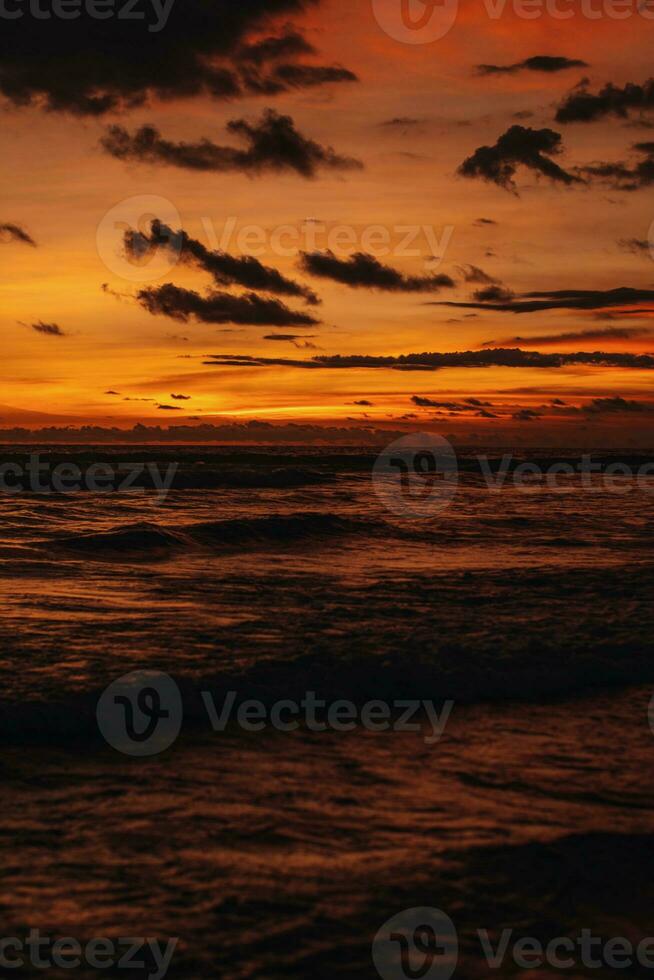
[417,476]
[417,944]
[416,21]
[124,243]
[141,713]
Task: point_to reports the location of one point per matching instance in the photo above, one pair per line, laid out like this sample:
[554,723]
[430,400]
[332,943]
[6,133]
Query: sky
[292,211]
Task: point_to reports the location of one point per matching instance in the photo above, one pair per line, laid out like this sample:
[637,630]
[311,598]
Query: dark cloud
[518,146]
[289,337]
[286,45]
[544,340]
[9,232]
[49,329]
[540,62]
[112,393]
[616,405]
[168,408]
[584,106]
[90,66]
[363,403]
[181,398]
[483,222]
[472,273]
[218,307]
[499,357]
[564,299]
[526,415]
[494,294]
[623,176]
[635,245]
[272,145]
[363,271]
[227,270]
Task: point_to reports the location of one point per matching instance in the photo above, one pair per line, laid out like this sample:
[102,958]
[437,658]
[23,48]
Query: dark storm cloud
[623,176]
[518,146]
[540,62]
[613,100]
[500,357]
[544,340]
[49,329]
[91,66]
[564,299]
[9,232]
[363,271]
[227,270]
[273,144]
[218,307]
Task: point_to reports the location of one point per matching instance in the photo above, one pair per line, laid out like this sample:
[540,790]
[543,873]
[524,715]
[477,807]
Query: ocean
[271,572]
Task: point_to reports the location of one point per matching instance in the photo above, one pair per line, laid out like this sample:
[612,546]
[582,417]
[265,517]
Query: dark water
[276,855]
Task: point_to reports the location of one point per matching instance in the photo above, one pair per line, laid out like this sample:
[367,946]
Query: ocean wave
[150,540]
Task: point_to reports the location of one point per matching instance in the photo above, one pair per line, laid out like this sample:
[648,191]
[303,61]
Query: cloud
[563,299]
[272,145]
[472,273]
[483,222]
[227,270]
[526,415]
[494,294]
[540,62]
[604,406]
[402,122]
[112,393]
[215,48]
[289,337]
[219,307]
[364,403]
[168,408]
[498,357]
[583,106]
[49,329]
[544,340]
[363,271]
[623,176]
[636,245]
[10,232]
[181,398]
[518,146]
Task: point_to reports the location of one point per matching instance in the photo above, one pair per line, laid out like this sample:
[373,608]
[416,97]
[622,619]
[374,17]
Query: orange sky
[59,186]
